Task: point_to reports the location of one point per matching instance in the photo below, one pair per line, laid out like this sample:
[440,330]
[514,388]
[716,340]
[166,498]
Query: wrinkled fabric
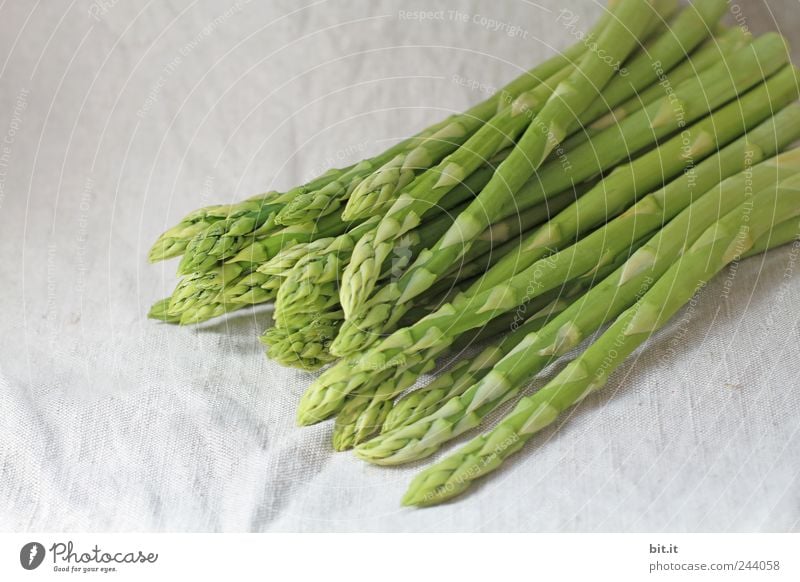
[118,118]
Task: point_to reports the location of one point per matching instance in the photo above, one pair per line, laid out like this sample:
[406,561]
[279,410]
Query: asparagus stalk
[414,155]
[363,265]
[541,310]
[191,302]
[304,348]
[309,293]
[712,52]
[460,271]
[192,285]
[325,395]
[160,311]
[319,270]
[725,241]
[401,166]
[396,377]
[331,181]
[775,44]
[249,235]
[543,123]
[319,267]
[505,231]
[430,187]
[251,288]
[784,233]
[254,244]
[466,372]
[218,232]
[223,290]
[696,97]
[375,193]
[233,283]
[207,309]
[615,294]
[306,295]
[691,27]
[304,343]
[371,197]
[290,243]
[282,263]
[175,240]
[628,182]
[312,286]
[363,414]
[722,46]
[610,197]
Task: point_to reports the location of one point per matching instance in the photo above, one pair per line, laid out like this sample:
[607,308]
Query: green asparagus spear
[680,154]
[382,311]
[233,283]
[412,155]
[289,244]
[253,238]
[367,413]
[160,311]
[400,164]
[318,271]
[466,372]
[372,195]
[539,119]
[309,292]
[364,414]
[304,348]
[576,323]
[723,242]
[313,293]
[207,309]
[325,395]
[363,266]
[712,52]
[691,27]
[175,240]
[360,416]
[781,234]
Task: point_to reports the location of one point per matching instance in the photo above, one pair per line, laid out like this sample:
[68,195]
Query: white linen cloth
[119,118]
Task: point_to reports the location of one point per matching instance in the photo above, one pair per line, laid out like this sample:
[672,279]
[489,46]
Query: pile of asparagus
[579,195]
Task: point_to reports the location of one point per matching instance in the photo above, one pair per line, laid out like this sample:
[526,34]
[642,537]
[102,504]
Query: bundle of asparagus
[580,195]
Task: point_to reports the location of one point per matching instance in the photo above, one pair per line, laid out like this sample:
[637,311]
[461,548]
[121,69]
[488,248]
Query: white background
[120,118]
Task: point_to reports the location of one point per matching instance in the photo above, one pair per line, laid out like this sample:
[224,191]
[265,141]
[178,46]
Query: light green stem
[725,241]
